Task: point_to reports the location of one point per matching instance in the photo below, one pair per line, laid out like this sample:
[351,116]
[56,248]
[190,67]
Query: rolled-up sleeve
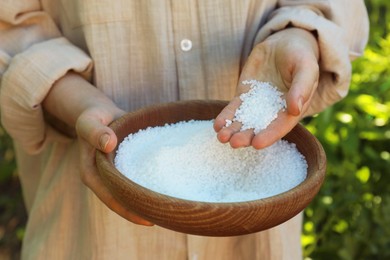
[33,55]
[341,28]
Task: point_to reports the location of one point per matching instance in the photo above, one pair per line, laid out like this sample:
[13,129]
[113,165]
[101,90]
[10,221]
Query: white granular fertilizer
[259,107]
[186,160]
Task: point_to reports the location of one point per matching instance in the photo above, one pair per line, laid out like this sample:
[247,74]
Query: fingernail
[103,142]
[300,104]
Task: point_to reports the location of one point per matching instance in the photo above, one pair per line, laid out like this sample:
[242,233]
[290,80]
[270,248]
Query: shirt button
[186,45]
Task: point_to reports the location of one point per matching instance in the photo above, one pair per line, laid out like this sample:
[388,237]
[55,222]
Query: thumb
[303,86]
[92,130]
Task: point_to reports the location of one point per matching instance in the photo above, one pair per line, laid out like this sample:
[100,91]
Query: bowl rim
[296,203]
[310,180]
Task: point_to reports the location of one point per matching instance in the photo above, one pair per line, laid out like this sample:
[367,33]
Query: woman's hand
[77,103]
[93,133]
[288,60]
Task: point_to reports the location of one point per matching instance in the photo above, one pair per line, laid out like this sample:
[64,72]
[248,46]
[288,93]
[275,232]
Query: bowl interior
[205,218]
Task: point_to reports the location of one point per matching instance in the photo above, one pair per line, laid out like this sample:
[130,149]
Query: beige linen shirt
[141,53]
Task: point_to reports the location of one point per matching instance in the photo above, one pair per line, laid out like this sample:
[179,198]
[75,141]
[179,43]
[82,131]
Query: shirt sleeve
[341,28]
[33,55]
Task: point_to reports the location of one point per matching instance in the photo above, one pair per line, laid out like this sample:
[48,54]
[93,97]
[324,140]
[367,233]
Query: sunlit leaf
[363,174]
[344,117]
[341,226]
[372,135]
[327,200]
[368,196]
[331,136]
[308,226]
[371,106]
[307,240]
[385,155]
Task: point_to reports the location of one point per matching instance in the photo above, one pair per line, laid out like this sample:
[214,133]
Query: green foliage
[7,158]
[350,218]
[12,212]
[378,11]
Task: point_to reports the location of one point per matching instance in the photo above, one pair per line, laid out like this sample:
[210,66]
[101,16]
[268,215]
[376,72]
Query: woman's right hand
[79,104]
[93,134]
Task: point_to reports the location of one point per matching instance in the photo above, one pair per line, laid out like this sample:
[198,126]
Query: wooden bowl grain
[205,218]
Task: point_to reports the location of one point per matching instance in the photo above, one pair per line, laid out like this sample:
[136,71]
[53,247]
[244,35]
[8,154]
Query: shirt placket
[188,49]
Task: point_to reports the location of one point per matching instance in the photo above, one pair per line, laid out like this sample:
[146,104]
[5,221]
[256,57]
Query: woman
[84,63]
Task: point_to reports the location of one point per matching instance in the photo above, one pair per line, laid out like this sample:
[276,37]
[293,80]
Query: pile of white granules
[259,107]
[186,160]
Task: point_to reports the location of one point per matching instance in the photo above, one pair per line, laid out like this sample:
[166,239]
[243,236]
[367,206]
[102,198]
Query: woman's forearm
[71,96]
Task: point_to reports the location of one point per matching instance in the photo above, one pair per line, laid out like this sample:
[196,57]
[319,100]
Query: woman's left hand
[288,60]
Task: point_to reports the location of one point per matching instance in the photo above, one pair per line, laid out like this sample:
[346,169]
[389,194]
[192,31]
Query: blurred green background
[350,218]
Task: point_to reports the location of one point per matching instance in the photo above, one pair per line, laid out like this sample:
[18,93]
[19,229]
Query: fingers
[93,134]
[100,136]
[278,128]
[242,139]
[304,84]
[293,68]
[92,180]
[232,133]
[225,133]
[298,100]
[226,114]
[234,136]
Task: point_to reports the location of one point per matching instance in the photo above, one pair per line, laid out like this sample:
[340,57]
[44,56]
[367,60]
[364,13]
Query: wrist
[71,95]
[294,35]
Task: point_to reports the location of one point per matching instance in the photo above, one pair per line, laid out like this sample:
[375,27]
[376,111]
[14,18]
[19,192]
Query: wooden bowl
[205,218]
